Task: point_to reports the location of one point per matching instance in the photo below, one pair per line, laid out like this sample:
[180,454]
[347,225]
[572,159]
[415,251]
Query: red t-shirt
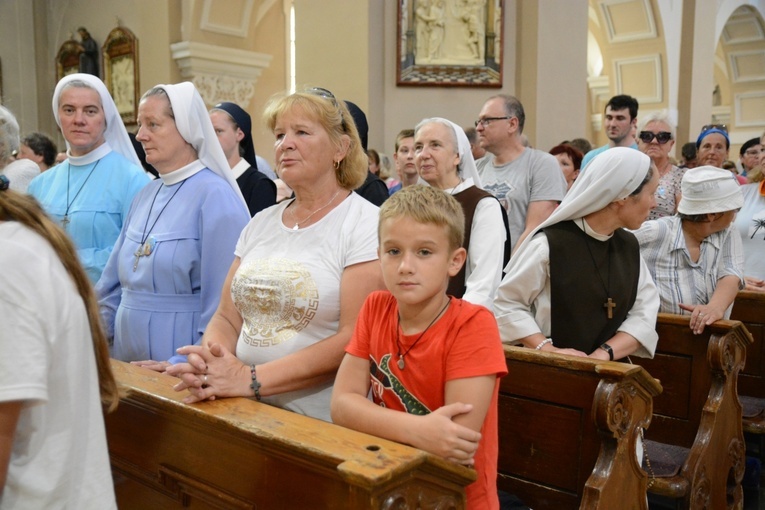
[463,343]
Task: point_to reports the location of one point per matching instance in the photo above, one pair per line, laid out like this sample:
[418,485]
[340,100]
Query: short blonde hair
[427,205]
[336,120]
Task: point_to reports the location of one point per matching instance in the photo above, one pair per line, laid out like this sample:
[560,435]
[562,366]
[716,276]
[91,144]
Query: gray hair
[159,91]
[9,136]
[661,116]
[450,130]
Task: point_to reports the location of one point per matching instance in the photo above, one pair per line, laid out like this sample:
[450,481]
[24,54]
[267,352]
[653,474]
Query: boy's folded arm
[476,391]
[436,432]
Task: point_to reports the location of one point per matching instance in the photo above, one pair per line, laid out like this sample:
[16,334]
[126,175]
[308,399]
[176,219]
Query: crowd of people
[334,287]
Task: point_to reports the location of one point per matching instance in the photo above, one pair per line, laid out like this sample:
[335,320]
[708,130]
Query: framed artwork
[68,58]
[449,43]
[120,54]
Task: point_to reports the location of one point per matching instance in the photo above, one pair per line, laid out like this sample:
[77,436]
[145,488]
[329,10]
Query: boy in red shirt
[433,356]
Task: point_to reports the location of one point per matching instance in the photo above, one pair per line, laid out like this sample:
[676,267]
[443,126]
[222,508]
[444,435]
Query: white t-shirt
[287,287]
[750,222]
[59,458]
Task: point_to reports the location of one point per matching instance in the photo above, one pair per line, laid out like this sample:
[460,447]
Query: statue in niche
[716,96]
[89,56]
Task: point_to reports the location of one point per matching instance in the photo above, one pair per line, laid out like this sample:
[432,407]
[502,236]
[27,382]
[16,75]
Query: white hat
[707,190]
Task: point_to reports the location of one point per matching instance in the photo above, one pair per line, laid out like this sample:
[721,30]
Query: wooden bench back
[568,429]
[241,454]
[749,308]
[699,408]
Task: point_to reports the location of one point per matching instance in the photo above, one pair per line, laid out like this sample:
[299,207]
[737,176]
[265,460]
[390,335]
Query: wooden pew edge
[609,369]
[381,460]
[726,354]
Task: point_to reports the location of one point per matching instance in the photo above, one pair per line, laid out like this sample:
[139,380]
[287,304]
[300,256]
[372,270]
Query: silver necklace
[297,223]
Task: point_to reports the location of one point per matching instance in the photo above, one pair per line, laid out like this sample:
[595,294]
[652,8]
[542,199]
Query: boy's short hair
[404,133]
[427,205]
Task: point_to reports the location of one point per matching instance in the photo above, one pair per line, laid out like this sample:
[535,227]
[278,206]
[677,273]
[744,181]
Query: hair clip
[5,183]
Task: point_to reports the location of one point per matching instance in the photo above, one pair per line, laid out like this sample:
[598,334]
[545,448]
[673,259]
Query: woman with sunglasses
[303,268]
[656,137]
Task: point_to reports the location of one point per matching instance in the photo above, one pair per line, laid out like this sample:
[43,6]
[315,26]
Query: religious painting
[453,43]
[120,53]
[68,58]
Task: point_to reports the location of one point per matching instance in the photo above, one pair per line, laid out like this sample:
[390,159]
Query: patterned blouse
[669,188]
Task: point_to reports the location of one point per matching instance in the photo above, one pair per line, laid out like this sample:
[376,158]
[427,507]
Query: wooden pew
[749,308]
[568,429]
[698,411]
[241,454]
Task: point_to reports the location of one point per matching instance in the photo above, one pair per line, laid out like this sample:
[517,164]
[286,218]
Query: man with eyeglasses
[620,122]
[749,155]
[527,182]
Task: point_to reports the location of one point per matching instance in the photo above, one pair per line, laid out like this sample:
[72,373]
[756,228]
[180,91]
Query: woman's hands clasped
[211,372]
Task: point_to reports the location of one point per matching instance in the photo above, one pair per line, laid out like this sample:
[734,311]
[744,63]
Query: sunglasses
[662,136]
[721,127]
[326,94]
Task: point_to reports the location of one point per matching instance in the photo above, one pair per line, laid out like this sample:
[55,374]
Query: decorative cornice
[218,72]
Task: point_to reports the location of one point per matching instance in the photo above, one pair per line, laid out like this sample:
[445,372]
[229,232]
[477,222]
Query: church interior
[700,61]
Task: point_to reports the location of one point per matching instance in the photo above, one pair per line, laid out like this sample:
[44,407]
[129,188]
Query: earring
[336,164]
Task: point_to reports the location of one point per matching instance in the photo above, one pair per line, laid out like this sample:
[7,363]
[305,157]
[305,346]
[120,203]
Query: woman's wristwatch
[609,350]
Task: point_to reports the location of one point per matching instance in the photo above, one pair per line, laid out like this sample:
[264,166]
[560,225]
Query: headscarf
[193,123]
[466,167]
[244,121]
[708,132]
[612,176]
[360,119]
[115,135]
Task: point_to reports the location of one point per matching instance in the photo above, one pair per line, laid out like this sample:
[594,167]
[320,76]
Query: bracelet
[255,386]
[543,343]
[609,350]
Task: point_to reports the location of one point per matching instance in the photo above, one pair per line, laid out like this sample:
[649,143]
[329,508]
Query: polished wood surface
[699,410]
[749,308]
[241,454]
[568,429]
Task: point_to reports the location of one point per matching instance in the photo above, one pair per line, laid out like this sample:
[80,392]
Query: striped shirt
[678,278]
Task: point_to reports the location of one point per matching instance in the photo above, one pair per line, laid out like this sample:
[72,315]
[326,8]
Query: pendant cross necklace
[146,247]
[610,304]
[65,222]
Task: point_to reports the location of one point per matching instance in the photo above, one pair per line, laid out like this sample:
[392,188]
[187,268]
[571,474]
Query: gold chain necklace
[297,223]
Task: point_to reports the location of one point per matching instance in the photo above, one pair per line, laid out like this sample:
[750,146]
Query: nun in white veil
[163,281]
[444,160]
[577,285]
[90,193]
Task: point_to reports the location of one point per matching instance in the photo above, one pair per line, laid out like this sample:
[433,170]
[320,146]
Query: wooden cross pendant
[610,305]
[65,221]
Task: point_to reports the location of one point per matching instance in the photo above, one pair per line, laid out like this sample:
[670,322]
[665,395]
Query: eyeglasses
[721,127]
[488,120]
[662,136]
[326,94]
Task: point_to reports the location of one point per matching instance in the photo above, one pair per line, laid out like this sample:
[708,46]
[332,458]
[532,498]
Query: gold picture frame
[120,54]
[68,58]
[450,43]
